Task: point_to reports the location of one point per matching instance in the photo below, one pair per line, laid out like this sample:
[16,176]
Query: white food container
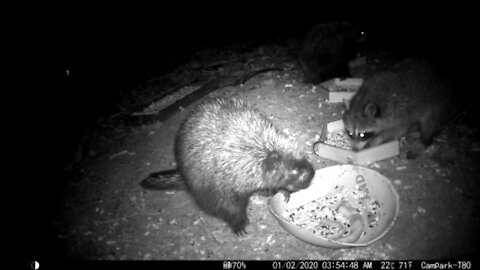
[378,187]
[362,157]
[340,90]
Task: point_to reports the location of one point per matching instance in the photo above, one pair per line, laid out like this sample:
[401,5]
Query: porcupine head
[288,173]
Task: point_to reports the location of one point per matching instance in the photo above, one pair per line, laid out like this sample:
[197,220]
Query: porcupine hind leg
[230,207]
[234,212]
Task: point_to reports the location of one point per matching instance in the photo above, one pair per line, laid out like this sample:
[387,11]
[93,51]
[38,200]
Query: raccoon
[414,95]
[327,50]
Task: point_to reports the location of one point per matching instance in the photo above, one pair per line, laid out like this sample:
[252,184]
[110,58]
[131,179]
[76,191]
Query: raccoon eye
[366,135]
[294,172]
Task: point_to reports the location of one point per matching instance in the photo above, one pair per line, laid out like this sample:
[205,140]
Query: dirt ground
[103,213]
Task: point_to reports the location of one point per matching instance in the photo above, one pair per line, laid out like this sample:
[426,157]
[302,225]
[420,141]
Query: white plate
[378,187]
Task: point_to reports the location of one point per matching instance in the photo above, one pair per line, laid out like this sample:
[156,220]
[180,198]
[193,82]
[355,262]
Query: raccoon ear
[371,110]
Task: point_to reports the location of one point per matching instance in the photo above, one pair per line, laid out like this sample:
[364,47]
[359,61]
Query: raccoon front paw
[409,154]
[412,154]
[412,150]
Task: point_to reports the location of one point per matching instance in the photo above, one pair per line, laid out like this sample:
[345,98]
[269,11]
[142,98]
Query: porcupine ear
[371,110]
[271,161]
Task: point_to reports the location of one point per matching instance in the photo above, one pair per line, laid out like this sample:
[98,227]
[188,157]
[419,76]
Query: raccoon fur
[412,96]
[226,152]
[327,50]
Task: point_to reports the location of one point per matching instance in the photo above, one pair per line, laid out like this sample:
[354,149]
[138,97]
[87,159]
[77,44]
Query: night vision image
[259,136]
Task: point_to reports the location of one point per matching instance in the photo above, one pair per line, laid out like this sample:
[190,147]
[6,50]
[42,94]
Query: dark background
[106,57]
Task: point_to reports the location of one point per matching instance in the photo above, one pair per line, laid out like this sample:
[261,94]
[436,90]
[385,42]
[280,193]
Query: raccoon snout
[359,145]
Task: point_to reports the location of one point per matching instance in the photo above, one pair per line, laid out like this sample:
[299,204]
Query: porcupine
[225,152]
